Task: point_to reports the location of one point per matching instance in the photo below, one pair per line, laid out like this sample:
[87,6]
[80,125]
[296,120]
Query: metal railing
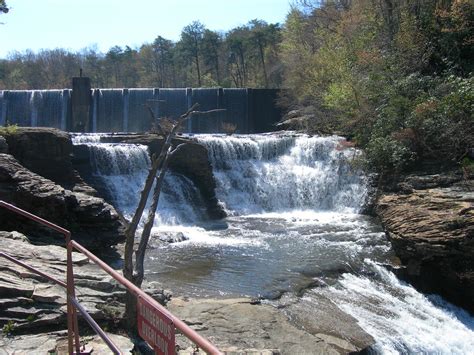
[73,304]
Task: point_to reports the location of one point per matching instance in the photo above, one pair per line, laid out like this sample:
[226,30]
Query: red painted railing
[73,304]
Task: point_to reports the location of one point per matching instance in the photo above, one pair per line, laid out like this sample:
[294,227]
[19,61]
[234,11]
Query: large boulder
[239,326]
[91,220]
[430,223]
[47,152]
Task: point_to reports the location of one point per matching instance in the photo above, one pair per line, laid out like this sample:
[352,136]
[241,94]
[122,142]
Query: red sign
[155,327]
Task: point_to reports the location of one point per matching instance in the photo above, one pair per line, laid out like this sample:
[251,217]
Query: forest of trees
[395,76]
[246,56]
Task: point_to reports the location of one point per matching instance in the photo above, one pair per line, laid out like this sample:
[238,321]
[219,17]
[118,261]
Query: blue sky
[75,24]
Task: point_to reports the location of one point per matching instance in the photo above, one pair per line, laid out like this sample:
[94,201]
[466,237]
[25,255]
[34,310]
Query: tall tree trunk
[262,59]
[196,59]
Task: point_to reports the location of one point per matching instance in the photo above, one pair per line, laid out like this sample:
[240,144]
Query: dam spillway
[125,110]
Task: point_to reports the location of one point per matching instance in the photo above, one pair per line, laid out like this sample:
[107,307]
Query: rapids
[294,229]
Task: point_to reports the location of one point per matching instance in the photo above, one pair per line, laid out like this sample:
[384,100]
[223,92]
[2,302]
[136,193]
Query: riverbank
[429,219]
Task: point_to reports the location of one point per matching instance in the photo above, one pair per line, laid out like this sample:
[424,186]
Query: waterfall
[293,235]
[126,109]
[269,173]
[122,168]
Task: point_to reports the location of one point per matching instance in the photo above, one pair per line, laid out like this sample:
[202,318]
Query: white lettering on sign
[156,341]
[155,327]
[155,321]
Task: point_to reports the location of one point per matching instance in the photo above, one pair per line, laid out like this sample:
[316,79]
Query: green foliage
[395,76]
[244,56]
[9,328]
[8,130]
[386,153]
[467,165]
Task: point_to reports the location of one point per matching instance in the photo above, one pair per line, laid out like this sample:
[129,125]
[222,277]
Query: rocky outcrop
[47,152]
[93,222]
[430,222]
[57,343]
[32,304]
[191,161]
[28,302]
[242,327]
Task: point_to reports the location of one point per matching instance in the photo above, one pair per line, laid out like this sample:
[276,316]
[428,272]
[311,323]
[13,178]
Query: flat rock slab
[30,302]
[236,326]
[56,343]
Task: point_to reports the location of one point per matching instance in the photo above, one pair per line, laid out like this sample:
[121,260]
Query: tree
[3,7]
[191,44]
[211,45]
[113,59]
[237,44]
[133,269]
[259,37]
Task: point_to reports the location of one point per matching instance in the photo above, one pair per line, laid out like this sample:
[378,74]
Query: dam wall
[95,110]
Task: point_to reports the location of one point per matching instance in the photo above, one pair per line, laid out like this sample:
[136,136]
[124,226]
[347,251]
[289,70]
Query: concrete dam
[83,109]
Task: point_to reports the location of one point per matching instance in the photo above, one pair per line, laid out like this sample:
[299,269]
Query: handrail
[73,304]
[36,218]
[72,324]
[190,333]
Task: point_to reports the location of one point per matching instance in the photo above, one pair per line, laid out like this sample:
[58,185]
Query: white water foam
[123,169]
[402,320]
[270,173]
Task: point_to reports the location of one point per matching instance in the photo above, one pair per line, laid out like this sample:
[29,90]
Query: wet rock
[3,145]
[259,329]
[91,220]
[432,232]
[319,316]
[169,237]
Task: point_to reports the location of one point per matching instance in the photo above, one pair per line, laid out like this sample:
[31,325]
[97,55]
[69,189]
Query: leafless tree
[133,266]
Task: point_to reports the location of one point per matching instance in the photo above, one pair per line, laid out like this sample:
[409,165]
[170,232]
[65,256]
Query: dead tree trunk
[133,270]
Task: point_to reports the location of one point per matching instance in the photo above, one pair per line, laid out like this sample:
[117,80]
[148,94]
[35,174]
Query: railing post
[72,324]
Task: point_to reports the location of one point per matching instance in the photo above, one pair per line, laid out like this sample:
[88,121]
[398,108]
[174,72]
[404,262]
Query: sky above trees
[76,24]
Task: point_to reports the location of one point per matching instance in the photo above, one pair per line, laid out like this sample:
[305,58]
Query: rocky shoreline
[429,219]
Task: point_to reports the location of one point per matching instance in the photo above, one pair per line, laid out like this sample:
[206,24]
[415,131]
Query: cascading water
[269,173]
[122,169]
[293,203]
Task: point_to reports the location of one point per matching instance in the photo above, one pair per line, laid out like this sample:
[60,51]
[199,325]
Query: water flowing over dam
[294,235]
[125,110]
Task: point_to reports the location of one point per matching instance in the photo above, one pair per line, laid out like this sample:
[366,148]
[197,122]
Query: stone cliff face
[430,222]
[46,152]
[37,175]
[91,220]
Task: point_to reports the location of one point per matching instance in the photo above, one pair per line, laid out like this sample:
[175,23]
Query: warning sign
[155,327]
